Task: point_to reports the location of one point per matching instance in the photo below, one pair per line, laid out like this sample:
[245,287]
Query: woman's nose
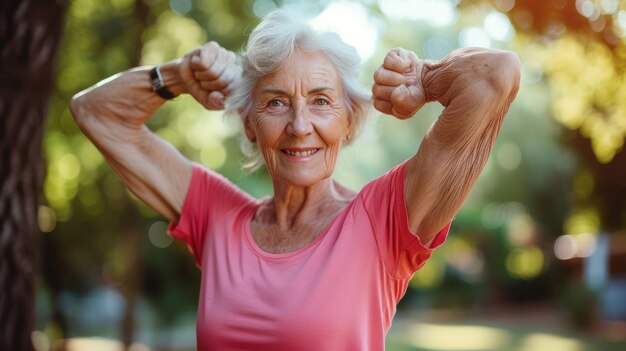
[300,124]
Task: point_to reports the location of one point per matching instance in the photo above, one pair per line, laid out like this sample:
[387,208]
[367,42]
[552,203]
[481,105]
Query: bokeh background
[536,259]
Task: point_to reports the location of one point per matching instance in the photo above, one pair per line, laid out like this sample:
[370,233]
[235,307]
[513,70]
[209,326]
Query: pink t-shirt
[337,293]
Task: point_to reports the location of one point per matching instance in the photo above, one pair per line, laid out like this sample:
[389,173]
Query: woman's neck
[295,205]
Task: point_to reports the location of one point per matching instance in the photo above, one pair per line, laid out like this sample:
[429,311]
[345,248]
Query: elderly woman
[318,266]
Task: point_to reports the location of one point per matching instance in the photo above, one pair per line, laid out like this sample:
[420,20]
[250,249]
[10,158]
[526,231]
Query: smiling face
[299,119]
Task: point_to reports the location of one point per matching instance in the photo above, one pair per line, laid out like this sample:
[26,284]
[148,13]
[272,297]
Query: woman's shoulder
[212,185]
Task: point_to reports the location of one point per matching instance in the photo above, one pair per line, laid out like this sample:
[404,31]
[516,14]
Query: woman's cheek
[268,128]
[270,160]
[332,127]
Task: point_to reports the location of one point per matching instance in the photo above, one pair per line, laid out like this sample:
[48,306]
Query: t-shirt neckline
[257,250]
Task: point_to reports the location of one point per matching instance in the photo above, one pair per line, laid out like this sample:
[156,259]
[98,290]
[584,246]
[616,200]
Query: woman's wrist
[170,74]
[432,87]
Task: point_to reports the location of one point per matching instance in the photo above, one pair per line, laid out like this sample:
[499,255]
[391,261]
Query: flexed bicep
[149,166]
[476,86]
[112,114]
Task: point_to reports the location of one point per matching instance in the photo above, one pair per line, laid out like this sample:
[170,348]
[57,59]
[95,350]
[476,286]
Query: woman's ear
[349,128]
[250,134]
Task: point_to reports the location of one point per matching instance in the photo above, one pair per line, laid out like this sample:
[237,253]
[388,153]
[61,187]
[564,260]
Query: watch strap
[158,85]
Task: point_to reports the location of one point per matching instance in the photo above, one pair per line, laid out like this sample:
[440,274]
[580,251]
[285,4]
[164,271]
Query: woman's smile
[300,154]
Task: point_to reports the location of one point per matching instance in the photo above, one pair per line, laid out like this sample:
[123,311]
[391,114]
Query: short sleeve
[210,197]
[401,250]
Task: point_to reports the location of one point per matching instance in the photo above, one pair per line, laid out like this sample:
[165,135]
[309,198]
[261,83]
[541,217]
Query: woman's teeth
[300,153]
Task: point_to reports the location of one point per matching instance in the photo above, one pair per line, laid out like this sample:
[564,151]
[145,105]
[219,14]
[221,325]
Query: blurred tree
[99,237]
[96,236]
[131,234]
[30,31]
[581,49]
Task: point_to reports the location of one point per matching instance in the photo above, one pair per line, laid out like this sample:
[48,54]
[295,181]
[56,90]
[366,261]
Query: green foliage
[90,203]
[588,91]
[521,201]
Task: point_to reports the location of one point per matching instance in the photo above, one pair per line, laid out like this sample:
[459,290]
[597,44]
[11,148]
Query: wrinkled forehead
[302,70]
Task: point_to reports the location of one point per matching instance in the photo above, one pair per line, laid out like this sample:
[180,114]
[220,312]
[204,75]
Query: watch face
[157,80]
[158,85]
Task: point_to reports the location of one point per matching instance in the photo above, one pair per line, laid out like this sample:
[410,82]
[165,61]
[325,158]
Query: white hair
[273,42]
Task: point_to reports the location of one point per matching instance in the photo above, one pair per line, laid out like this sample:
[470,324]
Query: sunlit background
[536,259]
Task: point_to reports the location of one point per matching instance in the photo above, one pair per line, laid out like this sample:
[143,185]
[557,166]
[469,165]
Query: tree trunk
[609,191]
[132,223]
[30,32]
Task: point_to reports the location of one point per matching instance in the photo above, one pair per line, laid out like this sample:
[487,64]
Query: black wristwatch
[158,85]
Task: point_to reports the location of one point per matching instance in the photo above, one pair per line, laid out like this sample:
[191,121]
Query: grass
[505,332]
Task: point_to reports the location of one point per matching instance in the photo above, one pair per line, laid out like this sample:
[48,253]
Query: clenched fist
[398,89]
[209,74]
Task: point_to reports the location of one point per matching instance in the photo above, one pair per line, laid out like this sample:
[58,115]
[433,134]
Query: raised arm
[476,86]
[112,115]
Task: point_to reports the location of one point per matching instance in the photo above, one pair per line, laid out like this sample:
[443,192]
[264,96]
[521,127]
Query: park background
[536,259]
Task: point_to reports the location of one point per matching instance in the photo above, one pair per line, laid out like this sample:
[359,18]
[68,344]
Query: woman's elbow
[506,72]
[79,107]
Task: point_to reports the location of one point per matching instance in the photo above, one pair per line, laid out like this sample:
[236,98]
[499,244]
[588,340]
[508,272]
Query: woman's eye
[275,103]
[321,102]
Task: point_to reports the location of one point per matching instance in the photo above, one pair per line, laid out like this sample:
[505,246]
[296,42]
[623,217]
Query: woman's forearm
[112,115]
[126,99]
[476,86]
[446,79]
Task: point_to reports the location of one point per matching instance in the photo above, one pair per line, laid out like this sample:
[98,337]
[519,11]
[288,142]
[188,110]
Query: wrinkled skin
[301,106]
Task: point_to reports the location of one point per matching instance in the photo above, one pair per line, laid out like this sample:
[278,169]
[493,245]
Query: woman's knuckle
[376,90]
[378,74]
